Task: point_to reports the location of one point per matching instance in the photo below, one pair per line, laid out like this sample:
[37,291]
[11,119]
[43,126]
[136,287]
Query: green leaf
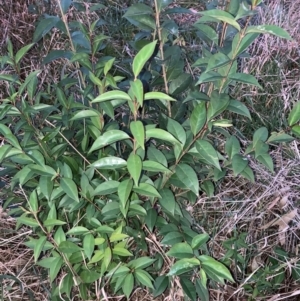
[52,263]
[216,267]
[10,78]
[142,57]
[89,276]
[180,84]
[127,286]
[28,221]
[109,163]
[20,54]
[156,155]
[202,290]
[167,201]
[149,165]
[65,4]
[147,190]
[218,104]
[181,250]
[138,132]
[44,26]
[172,238]
[176,129]
[245,79]
[270,29]
[208,187]
[151,219]
[188,288]
[294,115]
[134,166]
[158,95]
[279,138]
[112,95]
[140,263]
[33,201]
[144,278]
[88,245]
[260,135]
[237,107]
[78,230]
[183,265]
[39,247]
[222,16]
[108,138]
[216,61]
[161,134]
[121,252]
[160,285]
[188,177]
[136,91]
[198,118]
[124,191]
[207,153]
[108,187]
[267,161]
[46,186]
[239,163]
[68,247]
[248,174]
[85,114]
[53,222]
[210,76]
[199,240]
[70,188]
[295,130]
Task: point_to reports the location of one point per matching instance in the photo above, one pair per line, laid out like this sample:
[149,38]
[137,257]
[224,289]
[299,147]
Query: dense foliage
[107,162]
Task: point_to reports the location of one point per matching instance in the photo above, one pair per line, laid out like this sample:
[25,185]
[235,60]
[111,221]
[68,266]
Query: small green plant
[105,174]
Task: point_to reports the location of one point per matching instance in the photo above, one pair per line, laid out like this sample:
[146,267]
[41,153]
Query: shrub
[106,173]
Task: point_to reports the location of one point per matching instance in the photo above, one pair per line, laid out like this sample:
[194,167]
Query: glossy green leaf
[232,146]
[144,278]
[183,265]
[188,177]
[269,29]
[134,166]
[267,161]
[149,165]
[147,190]
[46,185]
[181,250]
[260,135]
[207,153]
[88,245]
[78,230]
[199,240]
[280,137]
[245,79]
[65,4]
[53,222]
[151,219]
[156,155]
[237,107]
[216,267]
[158,95]
[176,129]
[108,187]
[70,188]
[28,221]
[208,187]
[21,53]
[107,138]
[44,26]
[294,115]
[39,247]
[140,263]
[142,57]
[221,16]
[33,201]
[136,91]
[239,163]
[109,163]
[85,114]
[112,95]
[198,118]
[161,134]
[167,201]
[180,84]
[216,61]
[121,252]
[124,191]
[202,290]
[296,130]
[89,276]
[138,132]
[188,288]
[248,174]
[68,247]
[210,76]
[172,238]
[127,286]
[160,285]
[218,104]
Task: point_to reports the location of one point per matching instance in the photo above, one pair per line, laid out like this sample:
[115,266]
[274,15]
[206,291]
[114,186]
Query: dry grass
[266,211]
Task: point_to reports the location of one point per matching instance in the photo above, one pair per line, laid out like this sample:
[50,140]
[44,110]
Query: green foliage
[105,169]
